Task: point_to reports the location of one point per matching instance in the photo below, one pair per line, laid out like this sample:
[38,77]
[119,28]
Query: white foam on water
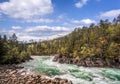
[78,75]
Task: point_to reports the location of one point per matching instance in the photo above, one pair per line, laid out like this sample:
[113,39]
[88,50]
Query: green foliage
[102,40]
[12,52]
[4,48]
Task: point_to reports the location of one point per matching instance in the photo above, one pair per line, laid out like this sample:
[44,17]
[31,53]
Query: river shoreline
[16,74]
[88,61]
[43,70]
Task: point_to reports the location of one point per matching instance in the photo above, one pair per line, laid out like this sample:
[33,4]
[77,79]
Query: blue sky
[48,19]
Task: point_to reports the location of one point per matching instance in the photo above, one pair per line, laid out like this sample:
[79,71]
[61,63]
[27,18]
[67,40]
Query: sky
[48,19]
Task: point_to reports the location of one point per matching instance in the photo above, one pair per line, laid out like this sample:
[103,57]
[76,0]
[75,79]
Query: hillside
[96,45]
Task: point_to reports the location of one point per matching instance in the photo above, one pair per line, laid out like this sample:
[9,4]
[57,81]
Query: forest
[13,51]
[101,40]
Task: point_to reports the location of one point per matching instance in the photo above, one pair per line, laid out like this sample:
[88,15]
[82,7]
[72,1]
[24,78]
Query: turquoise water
[78,75]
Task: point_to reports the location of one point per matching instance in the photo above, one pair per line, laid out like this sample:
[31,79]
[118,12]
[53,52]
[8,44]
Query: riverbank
[94,61]
[44,65]
[15,74]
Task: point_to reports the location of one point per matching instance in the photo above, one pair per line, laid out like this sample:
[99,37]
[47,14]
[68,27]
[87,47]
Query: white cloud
[76,21]
[46,29]
[37,32]
[40,38]
[61,16]
[65,24]
[110,14]
[16,27]
[3,31]
[41,20]
[87,21]
[81,3]
[28,38]
[27,9]
[43,32]
[84,21]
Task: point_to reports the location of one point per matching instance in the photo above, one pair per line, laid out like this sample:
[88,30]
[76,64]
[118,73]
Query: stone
[8,75]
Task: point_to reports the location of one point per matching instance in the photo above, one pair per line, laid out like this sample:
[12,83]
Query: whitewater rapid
[78,75]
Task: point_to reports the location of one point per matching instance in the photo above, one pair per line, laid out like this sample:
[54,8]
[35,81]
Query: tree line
[101,40]
[13,51]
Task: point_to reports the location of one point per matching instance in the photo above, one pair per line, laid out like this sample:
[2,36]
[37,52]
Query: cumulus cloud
[81,3]
[110,14]
[37,32]
[87,21]
[84,21]
[27,9]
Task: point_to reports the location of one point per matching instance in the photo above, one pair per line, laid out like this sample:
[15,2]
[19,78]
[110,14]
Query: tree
[96,41]
[0,37]
[92,25]
[13,38]
[4,37]
[114,21]
[3,50]
[11,52]
[118,19]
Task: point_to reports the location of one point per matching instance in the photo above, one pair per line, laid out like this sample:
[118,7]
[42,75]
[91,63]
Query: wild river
[78,75]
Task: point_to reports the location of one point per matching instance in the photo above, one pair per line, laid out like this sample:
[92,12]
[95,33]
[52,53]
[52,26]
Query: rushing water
[78,75]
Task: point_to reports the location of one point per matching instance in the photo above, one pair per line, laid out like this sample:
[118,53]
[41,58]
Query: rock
[12,72]
[58,79]
[69,82]
[60,60]
[55,58]
[8,75]
[93,61]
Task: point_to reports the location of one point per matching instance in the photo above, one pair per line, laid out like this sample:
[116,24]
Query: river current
[78,75]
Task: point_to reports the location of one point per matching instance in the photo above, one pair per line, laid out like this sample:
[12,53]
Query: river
[78,75]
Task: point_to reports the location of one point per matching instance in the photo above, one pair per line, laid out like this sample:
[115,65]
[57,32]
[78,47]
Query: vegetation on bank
[96,41]
[12,51]
[102,40]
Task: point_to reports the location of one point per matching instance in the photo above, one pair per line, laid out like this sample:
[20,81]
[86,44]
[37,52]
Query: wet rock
[9,75]
[55,58]
[95,61]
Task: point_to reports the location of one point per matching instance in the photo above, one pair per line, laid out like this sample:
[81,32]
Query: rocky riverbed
[15,74]
[44,65]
